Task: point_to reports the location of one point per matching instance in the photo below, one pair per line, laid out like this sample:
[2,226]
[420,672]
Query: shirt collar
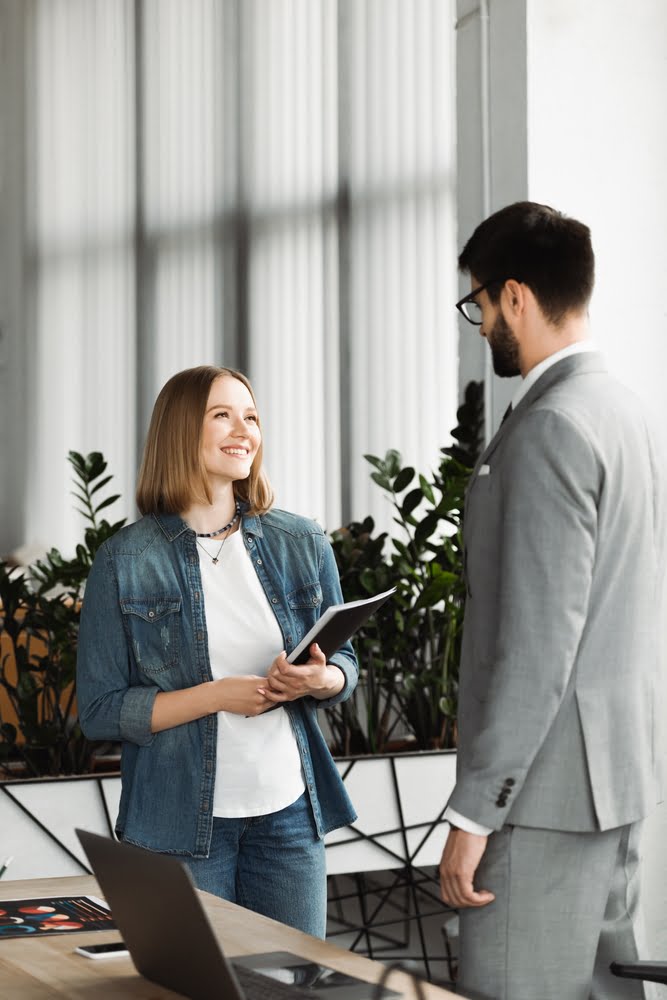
[581,347]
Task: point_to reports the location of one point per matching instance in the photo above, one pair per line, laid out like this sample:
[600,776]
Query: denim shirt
[143,630]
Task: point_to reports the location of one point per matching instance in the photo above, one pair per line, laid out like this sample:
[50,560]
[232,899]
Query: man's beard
[504,349]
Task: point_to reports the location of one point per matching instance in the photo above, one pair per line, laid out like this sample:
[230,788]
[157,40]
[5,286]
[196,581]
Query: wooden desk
[46,968]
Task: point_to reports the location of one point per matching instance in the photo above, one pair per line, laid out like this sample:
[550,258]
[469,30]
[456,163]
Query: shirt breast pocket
[154,627]
[305,603]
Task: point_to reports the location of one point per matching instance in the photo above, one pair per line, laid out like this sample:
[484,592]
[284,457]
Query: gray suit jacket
[564,530]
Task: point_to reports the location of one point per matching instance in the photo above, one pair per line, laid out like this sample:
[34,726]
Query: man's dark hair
[541,248]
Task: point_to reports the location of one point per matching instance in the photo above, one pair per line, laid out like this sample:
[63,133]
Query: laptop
[171,941]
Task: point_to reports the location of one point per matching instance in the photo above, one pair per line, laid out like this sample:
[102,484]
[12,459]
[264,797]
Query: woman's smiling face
[230,433]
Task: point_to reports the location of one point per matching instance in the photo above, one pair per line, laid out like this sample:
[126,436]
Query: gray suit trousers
[541,939]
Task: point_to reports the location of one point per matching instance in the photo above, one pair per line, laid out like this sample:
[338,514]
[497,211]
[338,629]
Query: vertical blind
[258,183]
[81,253]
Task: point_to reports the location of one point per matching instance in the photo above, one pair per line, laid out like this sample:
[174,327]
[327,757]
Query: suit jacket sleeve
[550,480]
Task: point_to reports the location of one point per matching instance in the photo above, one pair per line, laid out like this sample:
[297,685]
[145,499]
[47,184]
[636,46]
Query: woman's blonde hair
[172,475]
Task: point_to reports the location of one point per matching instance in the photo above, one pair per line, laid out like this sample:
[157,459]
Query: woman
[186,620]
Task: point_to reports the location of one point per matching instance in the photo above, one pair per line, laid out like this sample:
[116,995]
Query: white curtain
[182,46]
[290,164]
[80,267]
[399,64]
[260,183]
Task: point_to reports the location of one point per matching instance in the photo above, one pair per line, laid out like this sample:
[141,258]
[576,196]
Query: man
[558,707]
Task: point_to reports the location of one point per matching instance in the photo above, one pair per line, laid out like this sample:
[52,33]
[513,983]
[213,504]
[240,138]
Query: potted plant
[39,622]
[409,651]
[395,738]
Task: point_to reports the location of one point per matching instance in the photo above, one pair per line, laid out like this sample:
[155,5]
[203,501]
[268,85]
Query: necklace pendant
[215,561]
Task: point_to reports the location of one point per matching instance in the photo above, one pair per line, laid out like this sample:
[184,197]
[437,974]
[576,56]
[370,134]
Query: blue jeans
[271,864]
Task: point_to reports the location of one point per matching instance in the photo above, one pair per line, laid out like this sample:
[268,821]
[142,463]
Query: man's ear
[515,297]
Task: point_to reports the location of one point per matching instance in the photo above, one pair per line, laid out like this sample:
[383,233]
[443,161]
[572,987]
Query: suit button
[509,782]
[500,801]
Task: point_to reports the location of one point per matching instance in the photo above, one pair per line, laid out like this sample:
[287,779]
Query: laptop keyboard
[259,987]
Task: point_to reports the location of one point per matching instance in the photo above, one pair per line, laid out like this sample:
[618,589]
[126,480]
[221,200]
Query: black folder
[338,623]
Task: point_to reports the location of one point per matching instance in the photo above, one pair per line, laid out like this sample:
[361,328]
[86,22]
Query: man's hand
[289,681]
[460,859]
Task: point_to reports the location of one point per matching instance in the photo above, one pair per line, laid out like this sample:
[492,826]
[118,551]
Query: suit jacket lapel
[575,364]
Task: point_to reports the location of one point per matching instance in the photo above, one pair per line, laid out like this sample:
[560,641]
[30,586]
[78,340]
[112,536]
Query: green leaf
[403,479]
[426,489]
[107,503]
[367,580]
[85,499]
[392,461]
[374,460]
[381,480]
[95,464]
[102,482]
[401,547]
[77,460]
[425,528]
[411,501]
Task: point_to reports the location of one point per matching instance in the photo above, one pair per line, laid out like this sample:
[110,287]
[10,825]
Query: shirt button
[151,614]
[288,638]
[259,562]
[314,600]
[274,600]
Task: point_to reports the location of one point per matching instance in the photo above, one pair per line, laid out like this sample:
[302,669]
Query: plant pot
[400,799]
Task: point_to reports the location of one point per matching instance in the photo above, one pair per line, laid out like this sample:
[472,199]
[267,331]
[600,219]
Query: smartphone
[106,950]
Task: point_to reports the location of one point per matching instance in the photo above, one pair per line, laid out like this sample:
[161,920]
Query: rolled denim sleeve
[113,702]
[344,658]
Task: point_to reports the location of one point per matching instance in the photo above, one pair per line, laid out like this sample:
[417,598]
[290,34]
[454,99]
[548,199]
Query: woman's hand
[243,695]
[289,681]
[240,695]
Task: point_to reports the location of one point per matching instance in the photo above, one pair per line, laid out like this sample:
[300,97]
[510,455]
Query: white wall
[597,149]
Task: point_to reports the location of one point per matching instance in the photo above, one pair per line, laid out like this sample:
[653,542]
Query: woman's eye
[222,413]
[253,417]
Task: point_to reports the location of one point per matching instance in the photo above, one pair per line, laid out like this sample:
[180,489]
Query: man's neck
[552,339]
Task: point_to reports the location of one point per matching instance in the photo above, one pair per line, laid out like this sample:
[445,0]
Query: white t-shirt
[258,763]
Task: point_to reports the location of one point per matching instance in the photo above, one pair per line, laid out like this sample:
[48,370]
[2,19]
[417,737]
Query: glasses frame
[471,296]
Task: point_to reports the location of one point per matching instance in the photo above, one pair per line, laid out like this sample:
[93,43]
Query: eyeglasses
[470,308]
